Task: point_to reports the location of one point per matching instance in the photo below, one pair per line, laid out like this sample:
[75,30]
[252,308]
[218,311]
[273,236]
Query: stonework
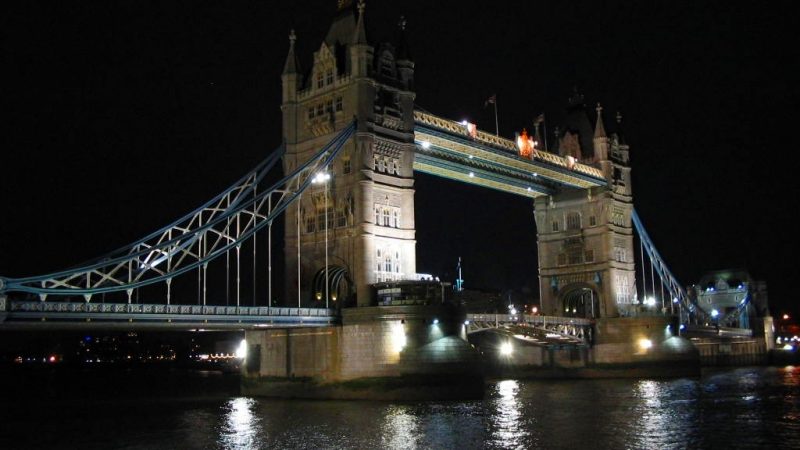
[585,237]
[370,196]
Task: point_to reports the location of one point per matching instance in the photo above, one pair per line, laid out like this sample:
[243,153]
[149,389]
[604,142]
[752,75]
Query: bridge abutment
[402,352]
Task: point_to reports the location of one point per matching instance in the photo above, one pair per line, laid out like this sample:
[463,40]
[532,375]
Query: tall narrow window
[555,225]
[320,80]
[329,106]
[329,77]
[338,103]
[385,217]
[396,218]
[377,217]
[592,221]
[346,165]
[573,221]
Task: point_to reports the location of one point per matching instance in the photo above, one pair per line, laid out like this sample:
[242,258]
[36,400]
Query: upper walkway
[461,152]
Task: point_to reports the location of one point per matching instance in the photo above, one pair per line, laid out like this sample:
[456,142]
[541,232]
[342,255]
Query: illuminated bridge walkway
[535,329]
[68,315]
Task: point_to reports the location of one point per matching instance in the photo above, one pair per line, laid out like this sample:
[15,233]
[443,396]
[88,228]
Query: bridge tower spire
[370,194]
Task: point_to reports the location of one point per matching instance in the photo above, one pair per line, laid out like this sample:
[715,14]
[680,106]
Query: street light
[323,178]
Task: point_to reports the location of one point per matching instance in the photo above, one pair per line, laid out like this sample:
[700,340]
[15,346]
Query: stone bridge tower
[369,198]
[585,237]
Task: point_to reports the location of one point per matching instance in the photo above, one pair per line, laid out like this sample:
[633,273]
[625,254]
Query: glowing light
[645,344]
[319,295]
[52,359]
[399,340]
[788,347]
[426,145]
[649,301]
[435,321]
[571,161]
[464,122]
[675,300]
[506,348]
[321,177]
[534,310]
[682,327]
[472,174]
[785,317]
[466,322]
[714,313]
[513,311]
[241,352]
[525,144]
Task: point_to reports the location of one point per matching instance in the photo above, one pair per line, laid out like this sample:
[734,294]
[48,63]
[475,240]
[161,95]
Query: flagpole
[544,125]
[496,123]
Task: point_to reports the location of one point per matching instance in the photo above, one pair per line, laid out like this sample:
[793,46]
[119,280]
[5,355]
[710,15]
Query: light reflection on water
[741,408]
[242,426]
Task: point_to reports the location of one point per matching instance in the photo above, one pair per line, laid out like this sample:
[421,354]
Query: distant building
[732,297]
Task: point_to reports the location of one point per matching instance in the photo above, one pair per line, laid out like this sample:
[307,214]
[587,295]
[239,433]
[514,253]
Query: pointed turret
[600,139]
[405,66]
[360,36]
[360,50]
[620,133]
[291,77]
[292,65]
[599,129]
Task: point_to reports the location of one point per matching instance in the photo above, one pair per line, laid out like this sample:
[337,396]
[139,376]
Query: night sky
[120,117]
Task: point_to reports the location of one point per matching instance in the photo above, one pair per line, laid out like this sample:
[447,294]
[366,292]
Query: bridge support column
[406,352]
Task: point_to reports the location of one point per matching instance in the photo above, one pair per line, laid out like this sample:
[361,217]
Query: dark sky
[122,116]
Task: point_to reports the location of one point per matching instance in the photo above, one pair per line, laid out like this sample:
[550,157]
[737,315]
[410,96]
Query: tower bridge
[352,142]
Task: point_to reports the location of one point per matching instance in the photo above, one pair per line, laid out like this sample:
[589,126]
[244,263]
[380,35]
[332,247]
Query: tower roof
[402,51]
[343,26]
[577,123]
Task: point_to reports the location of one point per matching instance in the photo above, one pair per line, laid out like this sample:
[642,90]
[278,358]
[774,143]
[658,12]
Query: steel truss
[690,311]
[222,224]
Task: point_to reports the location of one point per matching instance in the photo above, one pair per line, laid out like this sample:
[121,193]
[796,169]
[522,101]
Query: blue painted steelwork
[37,314]
[689,310]
[545,186]
[224,222]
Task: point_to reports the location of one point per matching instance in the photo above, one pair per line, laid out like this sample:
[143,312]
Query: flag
[492,100]
[538,119]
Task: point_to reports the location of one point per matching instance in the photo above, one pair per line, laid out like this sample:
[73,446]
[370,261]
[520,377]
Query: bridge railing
[507,145]
[530,319]
[125,308]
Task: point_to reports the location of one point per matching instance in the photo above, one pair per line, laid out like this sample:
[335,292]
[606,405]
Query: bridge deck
[33,314]
[445,148]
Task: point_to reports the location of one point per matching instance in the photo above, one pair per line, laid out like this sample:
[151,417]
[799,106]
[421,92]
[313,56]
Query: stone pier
[387,352]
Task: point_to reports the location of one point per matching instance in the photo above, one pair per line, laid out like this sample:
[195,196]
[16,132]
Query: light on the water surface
[506,348]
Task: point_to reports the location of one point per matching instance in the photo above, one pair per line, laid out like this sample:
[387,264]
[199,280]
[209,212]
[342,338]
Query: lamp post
[323,178]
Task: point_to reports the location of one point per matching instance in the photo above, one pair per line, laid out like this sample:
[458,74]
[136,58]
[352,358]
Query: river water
[753,407]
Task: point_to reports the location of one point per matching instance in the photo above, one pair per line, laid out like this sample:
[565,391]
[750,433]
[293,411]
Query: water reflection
[506,427]
[242,426]
[400,428]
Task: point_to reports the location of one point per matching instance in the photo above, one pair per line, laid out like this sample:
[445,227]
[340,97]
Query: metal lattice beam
[221,224]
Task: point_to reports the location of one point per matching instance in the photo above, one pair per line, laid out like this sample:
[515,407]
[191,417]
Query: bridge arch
[340,286]
[579,300]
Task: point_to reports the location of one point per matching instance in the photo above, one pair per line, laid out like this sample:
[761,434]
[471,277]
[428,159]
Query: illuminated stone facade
[370,196]
[585,236]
